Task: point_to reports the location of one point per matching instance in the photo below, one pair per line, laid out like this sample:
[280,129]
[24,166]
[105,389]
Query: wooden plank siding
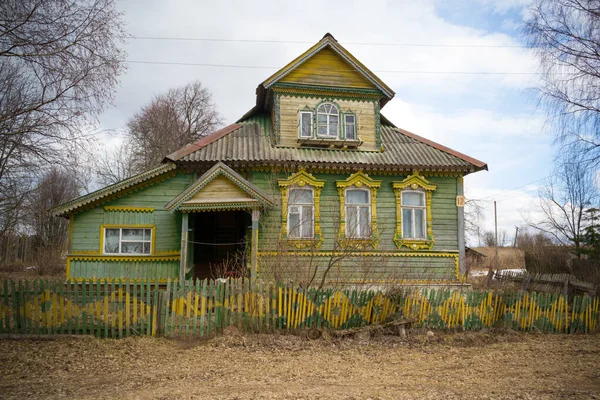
[289,106]
[327,68]
[86,233]
[382,263]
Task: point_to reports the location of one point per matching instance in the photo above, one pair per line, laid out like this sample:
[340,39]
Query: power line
[192,39]
[515,188]
[376,71]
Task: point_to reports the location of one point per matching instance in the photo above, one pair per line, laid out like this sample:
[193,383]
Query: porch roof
[233,193]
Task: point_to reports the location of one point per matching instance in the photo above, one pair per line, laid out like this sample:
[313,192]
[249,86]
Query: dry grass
[451,366]
[508,257]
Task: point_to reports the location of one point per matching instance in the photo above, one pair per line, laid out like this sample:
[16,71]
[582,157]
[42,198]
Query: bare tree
[112,165]
[59,63]
[169,122]
[473,218]
[50,233]
[565,35]
[564,201]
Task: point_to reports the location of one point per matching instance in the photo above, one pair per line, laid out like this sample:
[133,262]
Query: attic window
[305,128]
[328,118]
[350,126]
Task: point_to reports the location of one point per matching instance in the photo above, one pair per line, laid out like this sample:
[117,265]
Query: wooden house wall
[385,261]
[87,260]
[289,106]
[327,68]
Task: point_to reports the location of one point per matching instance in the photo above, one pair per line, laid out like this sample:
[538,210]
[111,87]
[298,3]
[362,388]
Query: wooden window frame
[367,205]
[300,114]
[337,134]
[301,179]
[301,205]
[413,208]
[152,241]
[359,180]
[353,115]
[414,182]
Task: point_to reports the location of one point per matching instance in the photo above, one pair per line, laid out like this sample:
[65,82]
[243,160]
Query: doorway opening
[219,243]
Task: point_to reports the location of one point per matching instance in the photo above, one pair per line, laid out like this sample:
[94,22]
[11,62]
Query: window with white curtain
[358,213]
[414,215]
[301,213]
[127,240]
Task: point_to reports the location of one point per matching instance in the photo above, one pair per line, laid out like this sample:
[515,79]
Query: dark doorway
[219,243]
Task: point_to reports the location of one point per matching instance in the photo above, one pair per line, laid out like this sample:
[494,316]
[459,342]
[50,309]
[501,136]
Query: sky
[460,70]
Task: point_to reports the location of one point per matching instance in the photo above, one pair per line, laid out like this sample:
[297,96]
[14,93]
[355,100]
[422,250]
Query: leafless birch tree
[566,36]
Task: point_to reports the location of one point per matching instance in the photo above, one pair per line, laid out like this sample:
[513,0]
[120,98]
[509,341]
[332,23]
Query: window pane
[307,222]
[351,222]
[147,248]
[350,132]
[322,118]
[333,129]
[294,225]
[349,119]
[413,199]
[407,223]
[420,223]
[322,130]
[357,197]
[132,248]
[301,196]
[334,119]
[306,120]
[147,234]
[133,234]
[111,241]
[365,223]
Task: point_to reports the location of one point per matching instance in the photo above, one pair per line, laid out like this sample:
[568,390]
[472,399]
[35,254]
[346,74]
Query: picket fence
[205,308]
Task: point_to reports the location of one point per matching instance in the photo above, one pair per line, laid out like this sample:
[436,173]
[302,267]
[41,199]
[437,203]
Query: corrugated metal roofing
[251,143]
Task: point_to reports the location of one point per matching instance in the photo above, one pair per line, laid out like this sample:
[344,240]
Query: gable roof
[106,193]
[328,41]
[219,169]
[249,143]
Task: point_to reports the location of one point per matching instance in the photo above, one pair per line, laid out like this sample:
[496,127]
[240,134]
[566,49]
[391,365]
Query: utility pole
[516,235]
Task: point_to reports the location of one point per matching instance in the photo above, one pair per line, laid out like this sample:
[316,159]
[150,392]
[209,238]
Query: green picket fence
[205,308]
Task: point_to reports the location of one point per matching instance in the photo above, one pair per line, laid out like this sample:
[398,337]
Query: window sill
[325,142]
[414,244]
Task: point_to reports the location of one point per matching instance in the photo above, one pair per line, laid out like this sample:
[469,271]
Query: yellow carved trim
[96,257]
[129,209]
[122,280]
[301,179]
[358,180]
[126,226]
[414,182]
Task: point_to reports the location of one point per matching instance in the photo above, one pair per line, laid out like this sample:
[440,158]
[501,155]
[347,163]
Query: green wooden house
[312,182]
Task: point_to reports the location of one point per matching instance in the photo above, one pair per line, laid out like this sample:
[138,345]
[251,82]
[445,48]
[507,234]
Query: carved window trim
[301,179]
[358,180]
[414,182]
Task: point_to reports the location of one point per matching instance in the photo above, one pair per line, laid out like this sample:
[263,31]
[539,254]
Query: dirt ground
[450,366]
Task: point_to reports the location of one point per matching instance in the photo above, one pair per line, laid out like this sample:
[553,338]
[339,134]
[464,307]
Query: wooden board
[327,68]
[219,189]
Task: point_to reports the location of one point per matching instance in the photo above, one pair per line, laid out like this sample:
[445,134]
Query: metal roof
[249,143]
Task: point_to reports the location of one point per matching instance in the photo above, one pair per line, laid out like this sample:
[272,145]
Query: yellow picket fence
[204,308]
